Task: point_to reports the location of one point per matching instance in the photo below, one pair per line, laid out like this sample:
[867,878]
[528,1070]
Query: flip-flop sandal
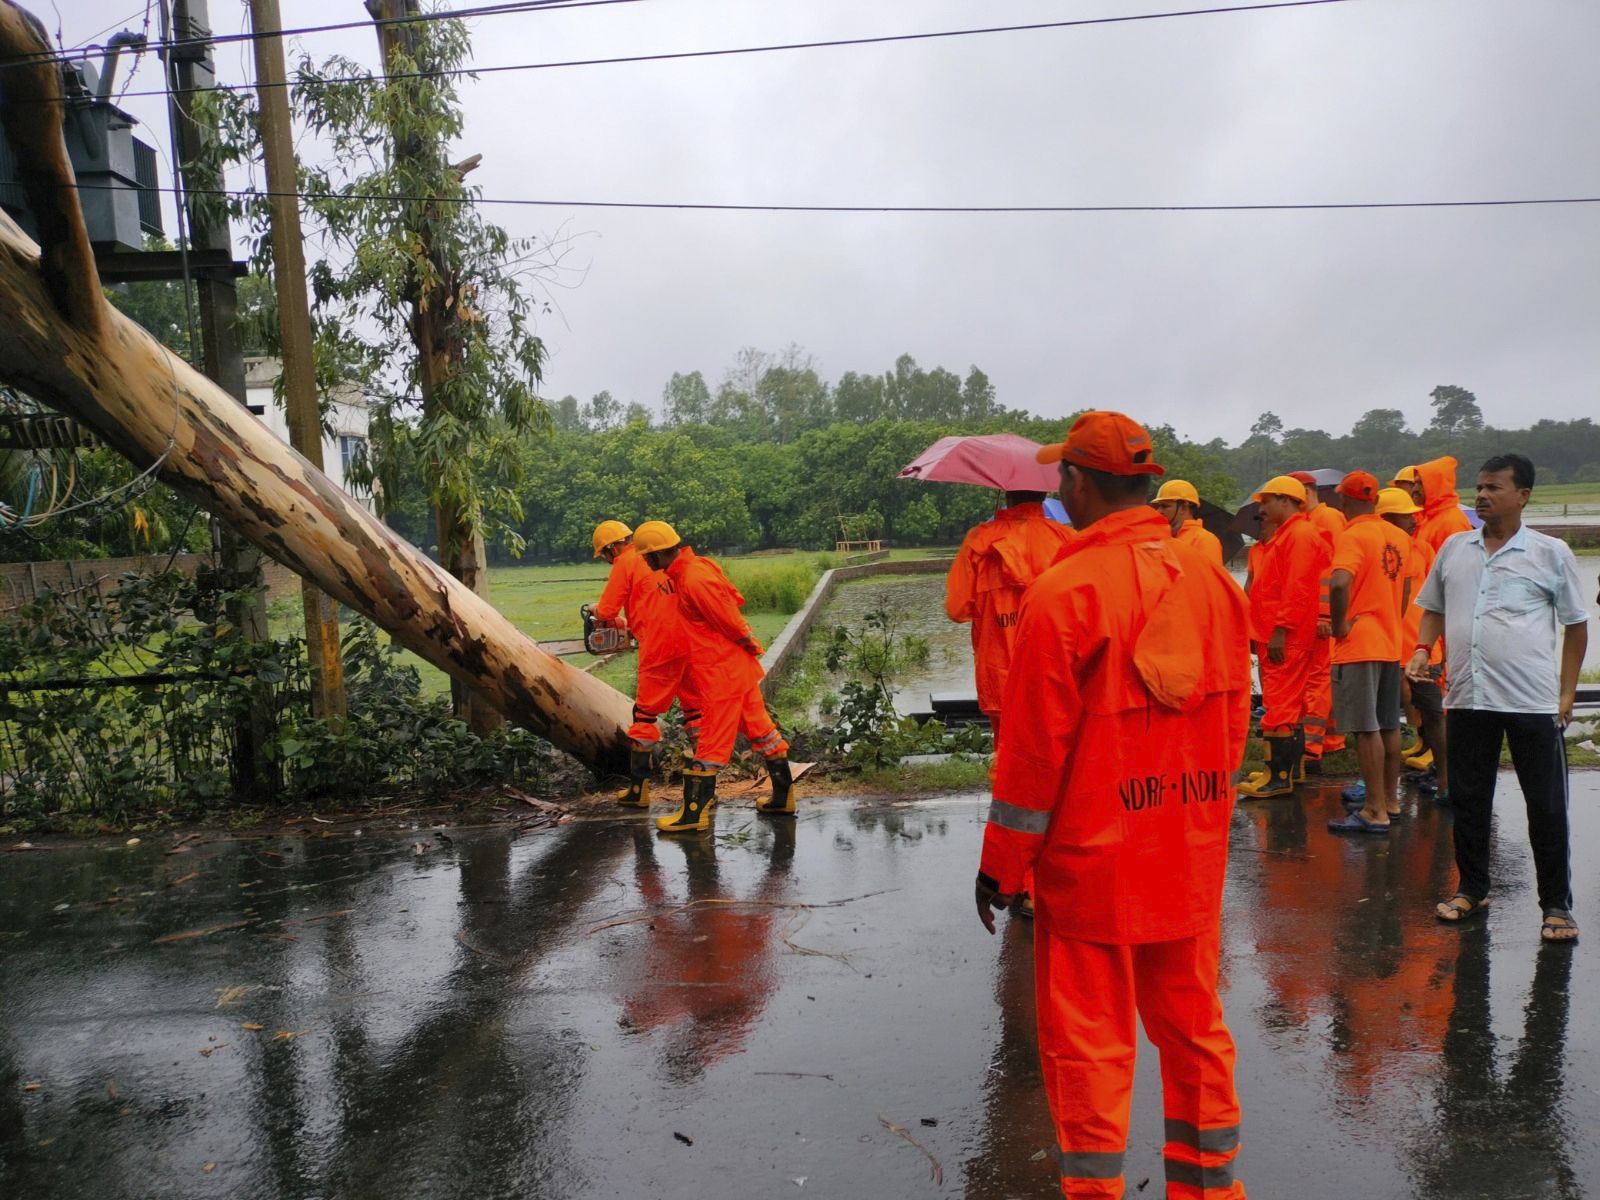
[1474,908]
[1356,823]
[1557,919]
[1397,816]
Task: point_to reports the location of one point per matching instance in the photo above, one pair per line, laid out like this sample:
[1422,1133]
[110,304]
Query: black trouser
[1539,754]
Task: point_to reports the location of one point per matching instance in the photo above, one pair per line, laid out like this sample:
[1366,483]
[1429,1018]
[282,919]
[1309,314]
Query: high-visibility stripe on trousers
[1284,685]
[660,682]
[1319,698]
[724,718]
[1089,996]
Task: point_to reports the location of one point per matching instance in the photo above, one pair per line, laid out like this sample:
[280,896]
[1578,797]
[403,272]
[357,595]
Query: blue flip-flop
[1356,823]
[1357,791]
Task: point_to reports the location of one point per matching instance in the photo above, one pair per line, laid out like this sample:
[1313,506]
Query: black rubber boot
[1281,758]
[699,797]
[637,793]
[781,802]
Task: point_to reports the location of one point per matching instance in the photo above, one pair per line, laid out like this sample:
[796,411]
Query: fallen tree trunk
[63,344]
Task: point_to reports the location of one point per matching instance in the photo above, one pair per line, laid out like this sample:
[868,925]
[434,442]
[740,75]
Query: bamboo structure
[62,343]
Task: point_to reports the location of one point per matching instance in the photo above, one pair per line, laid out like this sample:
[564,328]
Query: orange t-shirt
[1193,533]
[1374,552]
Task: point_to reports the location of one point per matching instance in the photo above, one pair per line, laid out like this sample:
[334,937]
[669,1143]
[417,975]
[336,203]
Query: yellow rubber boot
[781,802]
[1414,749]
[699,797]
[1420,762]
[637,793]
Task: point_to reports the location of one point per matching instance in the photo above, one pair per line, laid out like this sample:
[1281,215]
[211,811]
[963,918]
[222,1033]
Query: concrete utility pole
[294,328]
[190,66]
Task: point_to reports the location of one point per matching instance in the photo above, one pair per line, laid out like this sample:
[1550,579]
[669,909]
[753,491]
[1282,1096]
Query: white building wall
[347,414]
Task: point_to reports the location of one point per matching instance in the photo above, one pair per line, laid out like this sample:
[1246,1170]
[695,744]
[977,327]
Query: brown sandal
[1459,907]
[1558,926]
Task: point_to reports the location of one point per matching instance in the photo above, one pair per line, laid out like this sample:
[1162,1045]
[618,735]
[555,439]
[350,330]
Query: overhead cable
[697,206]
[830,43]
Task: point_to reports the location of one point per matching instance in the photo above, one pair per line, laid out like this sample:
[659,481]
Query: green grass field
[543,601]
[1547,494]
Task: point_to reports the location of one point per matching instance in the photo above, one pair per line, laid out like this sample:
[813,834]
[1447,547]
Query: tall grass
[778,586]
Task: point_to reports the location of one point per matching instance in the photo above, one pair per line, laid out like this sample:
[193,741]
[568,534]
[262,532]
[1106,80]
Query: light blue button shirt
[1503,614]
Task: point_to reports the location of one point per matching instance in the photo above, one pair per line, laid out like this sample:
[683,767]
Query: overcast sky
[1202,320]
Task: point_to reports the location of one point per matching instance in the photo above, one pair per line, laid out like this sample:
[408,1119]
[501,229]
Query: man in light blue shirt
[1504,596]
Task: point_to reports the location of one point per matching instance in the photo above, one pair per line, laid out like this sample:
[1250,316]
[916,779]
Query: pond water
[917,603]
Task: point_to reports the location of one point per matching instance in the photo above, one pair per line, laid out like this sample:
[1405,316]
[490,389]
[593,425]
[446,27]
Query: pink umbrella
[995,460]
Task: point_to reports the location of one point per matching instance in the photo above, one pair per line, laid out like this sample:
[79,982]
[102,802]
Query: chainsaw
[603,639]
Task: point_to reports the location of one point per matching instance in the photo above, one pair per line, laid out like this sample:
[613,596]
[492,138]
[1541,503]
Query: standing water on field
[916,603]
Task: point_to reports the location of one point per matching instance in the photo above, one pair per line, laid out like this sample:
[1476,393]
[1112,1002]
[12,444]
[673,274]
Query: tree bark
[61,342]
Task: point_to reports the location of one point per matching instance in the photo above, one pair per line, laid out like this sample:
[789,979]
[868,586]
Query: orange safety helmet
[607,532]
[655,535]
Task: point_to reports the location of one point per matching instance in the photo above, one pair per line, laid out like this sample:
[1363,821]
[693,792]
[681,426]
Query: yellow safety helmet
[1397,501]
[655,535]
[1282,485]
[1179,489]
[607,532]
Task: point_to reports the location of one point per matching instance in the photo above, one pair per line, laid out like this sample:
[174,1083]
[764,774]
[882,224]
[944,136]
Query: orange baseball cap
[1108,442]
[1305,477]
[1359,485]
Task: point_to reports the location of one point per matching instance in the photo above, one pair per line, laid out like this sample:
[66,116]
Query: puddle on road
[543,1016]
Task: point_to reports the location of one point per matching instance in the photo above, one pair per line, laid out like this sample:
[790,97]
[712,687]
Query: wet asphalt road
[543,1016]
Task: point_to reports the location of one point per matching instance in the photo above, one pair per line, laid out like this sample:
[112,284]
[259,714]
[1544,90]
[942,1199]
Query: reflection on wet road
[544,1016]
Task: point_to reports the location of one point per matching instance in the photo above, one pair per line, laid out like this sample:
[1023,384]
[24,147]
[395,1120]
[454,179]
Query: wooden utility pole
[294,331]
[190,67]
[435,310]
[63,343]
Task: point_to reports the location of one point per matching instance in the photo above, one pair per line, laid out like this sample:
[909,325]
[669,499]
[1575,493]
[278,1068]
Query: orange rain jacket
[1441,515]
[1287,590]
[1193,533]
[724,656]
[647,597]
[996,563]
[1137,688]
[1328,519]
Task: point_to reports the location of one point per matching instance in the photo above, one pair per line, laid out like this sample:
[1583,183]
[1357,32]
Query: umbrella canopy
[995,460]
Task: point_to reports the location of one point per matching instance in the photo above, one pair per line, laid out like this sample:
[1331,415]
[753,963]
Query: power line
[695,206]
[830,43]
[461,14]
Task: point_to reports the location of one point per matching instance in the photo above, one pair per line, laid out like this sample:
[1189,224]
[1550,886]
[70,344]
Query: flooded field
[917,603]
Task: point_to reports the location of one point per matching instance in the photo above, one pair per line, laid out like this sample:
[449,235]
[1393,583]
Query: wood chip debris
[936,1171]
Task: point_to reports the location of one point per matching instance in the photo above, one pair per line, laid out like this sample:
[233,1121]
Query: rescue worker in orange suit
[1433,486]
[1370,591]
[1179,503]
[725,673]
[1137,688]
[1285,604]
[651,608]
[1322,738]
[996,563]
[1425,697]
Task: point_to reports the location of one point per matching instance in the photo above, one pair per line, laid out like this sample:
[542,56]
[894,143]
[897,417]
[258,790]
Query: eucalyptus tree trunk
[62,343]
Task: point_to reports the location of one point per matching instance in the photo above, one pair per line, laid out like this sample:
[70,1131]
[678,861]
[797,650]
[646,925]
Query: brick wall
[21,582]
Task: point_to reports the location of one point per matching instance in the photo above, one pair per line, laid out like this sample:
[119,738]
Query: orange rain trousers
[726,717]
[1088,995]
[1287,688]
[661,682]
[1318,719]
